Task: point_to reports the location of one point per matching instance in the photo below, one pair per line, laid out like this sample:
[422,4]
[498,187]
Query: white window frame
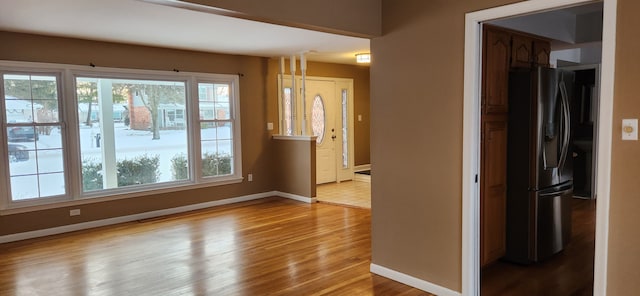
[71,147]
[234,117]
[5,182]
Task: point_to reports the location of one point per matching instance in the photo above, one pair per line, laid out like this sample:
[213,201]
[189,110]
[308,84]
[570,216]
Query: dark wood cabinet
[541,53]
[502,50]
[496,71]
[521,51]
[494,187]
[527,52]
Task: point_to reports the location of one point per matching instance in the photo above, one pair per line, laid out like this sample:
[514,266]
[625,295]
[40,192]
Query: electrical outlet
[74,212]
[250,177]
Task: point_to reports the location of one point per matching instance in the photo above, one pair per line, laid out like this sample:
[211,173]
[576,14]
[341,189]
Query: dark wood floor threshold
[567,273]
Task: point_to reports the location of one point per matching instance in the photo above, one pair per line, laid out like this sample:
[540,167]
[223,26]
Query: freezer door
[552,222]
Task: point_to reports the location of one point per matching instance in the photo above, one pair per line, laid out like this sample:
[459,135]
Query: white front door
[329,115]
[321,118]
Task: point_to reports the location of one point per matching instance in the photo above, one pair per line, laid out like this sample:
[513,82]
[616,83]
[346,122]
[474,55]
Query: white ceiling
[144,23]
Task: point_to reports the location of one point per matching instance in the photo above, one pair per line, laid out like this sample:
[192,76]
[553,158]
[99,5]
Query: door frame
[342,174]
[594,165]
[471,135]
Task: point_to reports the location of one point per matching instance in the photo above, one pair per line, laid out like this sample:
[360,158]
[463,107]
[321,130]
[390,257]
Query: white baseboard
[412,281]
[362,178]
[295,197]
[146,215]
[362,167]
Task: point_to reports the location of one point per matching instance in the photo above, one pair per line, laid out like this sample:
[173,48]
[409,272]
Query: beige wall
[360,76]
[350,17]
[624,228]
[293,165]
[416,190]
[416,138]
[256,151]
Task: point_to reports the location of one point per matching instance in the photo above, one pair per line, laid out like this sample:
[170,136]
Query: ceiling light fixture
[363,58]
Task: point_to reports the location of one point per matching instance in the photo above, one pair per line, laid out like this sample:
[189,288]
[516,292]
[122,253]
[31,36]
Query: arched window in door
[318,118]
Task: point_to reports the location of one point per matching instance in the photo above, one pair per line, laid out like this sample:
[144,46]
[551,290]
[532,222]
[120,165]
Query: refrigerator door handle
[556,193]
[566,119]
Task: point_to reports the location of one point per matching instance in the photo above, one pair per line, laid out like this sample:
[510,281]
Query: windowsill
[18,209]
[294,138]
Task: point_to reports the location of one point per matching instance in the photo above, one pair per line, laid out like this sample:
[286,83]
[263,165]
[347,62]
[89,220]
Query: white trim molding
[294,138]
[299,198]
[361,178]
[605,127]
[471,131]
[362,167]
[147,215]
[412,281]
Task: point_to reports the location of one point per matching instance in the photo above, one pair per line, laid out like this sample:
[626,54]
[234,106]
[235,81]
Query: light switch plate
[269,126]
[630,129]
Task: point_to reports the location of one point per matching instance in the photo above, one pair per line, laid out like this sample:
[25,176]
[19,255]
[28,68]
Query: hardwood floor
[349,193]
[568,273]
[272,246]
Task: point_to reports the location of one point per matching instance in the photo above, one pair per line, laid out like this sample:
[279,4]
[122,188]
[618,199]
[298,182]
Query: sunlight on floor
[351,193]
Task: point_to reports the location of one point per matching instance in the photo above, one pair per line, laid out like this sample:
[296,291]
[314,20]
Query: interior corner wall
[416,138]
[256,150]
[624,221]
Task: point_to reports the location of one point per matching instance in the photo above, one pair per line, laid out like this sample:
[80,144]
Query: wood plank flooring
[271,246]
[568,273]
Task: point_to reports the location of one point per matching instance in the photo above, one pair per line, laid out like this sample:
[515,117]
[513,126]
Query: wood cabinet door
[493,191]
[541,53]
[521,51]
[495,72]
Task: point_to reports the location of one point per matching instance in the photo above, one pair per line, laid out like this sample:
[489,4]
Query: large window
[132,132]
[123,131]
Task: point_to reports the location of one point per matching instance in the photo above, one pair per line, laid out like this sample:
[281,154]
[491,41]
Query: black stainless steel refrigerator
[539,164]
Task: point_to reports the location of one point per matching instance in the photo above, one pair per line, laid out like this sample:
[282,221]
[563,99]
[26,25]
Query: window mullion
[106,138]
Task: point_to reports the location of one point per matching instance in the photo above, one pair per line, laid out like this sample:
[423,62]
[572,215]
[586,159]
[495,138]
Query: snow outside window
[34,136]
[75,133]
[216,129]
[131,132]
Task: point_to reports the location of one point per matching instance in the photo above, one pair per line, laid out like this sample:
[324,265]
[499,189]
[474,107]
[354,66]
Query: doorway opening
[599,144]
[329,116]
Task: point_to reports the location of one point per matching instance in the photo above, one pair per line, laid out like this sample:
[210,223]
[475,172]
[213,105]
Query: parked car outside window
[18,152]
[21,134]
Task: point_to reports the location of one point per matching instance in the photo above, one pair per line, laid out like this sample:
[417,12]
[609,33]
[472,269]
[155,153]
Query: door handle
[566,124]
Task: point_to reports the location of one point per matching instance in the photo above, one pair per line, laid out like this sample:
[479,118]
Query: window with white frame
[148,148]
[133,131]
[216,129]
[34,136]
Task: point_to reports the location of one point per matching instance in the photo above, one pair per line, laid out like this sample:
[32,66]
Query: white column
[283,107]
[107,133]
[303,70]
[294,90]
